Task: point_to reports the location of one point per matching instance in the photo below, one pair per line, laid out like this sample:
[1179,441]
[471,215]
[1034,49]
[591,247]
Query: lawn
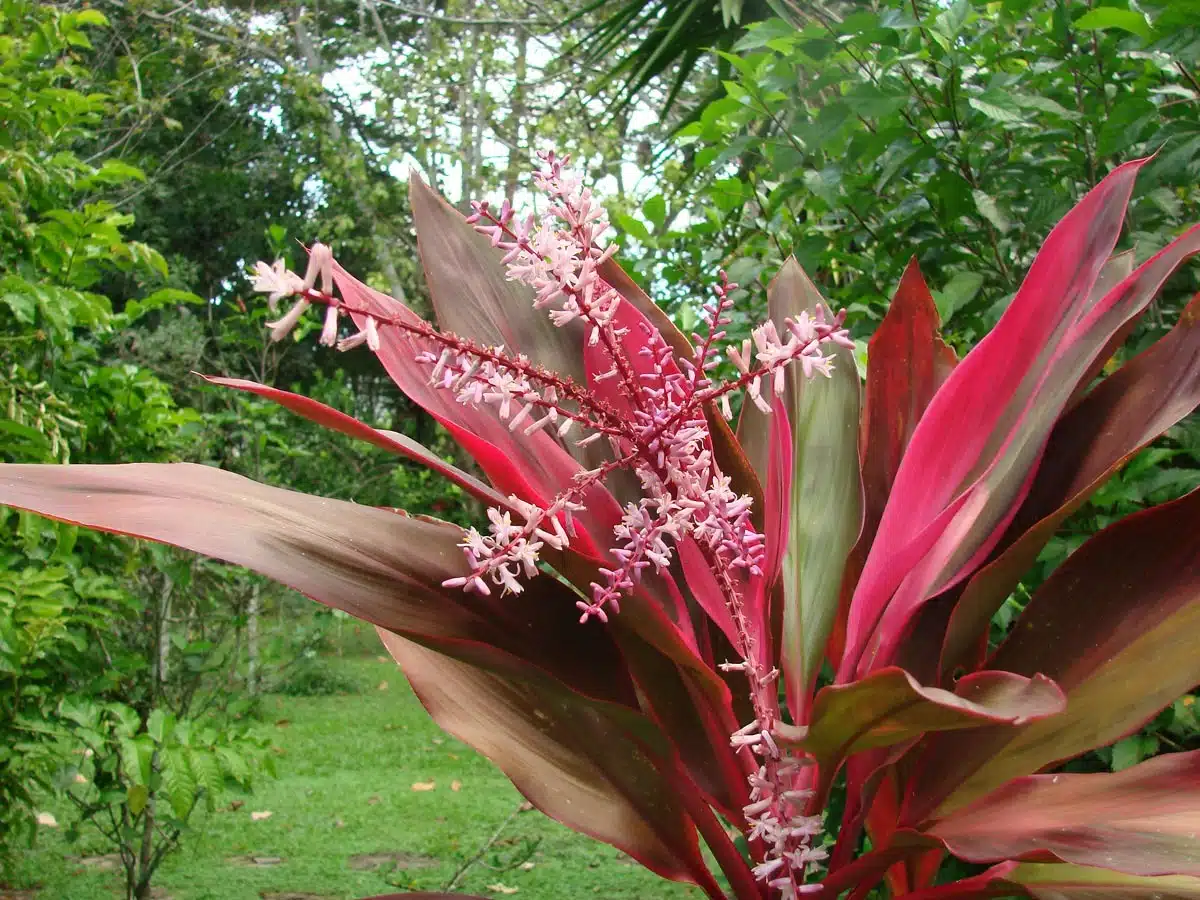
[371,797]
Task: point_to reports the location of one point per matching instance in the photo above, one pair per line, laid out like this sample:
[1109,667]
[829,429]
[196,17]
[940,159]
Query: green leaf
[655,210]
[957,293]
[990,210]
[1105,18]
[159,726]
[1043,104]
[90,17]
[23,306]
[950,23]
[824,509]
[998,107]
[136,798]
[113,171]
[633,227]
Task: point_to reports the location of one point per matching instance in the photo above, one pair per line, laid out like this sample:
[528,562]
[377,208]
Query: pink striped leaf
[401,444]
[889,707]
[983,436]
[1122,414]
[1060,881]
[534,467]
[824,506]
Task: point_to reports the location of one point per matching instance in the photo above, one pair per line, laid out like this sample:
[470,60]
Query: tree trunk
[380,239]
[469,115]
[253,611]
[146,850]
[516,119]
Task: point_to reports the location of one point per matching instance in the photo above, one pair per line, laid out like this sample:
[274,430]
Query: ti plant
[638,638]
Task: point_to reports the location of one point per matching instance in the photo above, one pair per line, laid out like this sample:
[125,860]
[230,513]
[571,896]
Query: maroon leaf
[471,295]
[388,440]
[1121,415]
[1058,881]
[378,566]
[1142,821]
[889,707]
[1114,627]
[571,762]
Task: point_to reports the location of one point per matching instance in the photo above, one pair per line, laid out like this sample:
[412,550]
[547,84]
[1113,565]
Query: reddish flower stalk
[663,436]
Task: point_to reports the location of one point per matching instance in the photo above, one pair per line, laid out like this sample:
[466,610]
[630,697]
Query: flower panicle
[659,432]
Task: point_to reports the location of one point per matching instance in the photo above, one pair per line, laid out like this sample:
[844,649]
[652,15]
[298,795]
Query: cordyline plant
[637,636]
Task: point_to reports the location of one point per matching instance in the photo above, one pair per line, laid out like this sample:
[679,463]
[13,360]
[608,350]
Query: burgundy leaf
[1142,821]
[472,296]
[889,707]
[1114,627]
[378,566]
[570,761]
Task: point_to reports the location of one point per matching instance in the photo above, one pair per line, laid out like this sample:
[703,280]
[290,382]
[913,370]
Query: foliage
[91,662]
[890,568]
[342,825]
[958,134]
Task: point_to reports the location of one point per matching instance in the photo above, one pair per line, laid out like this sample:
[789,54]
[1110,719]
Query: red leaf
[1114,627]
[570,761]
[907,362]
[1121,415]
[389,440]
[534,467]
[1142,821]
[972,456]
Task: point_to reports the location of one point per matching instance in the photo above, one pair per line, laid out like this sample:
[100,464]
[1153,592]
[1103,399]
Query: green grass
[346,767]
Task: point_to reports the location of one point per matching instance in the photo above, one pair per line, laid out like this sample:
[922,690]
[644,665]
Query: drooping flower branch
[654,424]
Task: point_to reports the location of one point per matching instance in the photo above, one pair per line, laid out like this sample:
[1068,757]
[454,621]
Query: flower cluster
[650,406]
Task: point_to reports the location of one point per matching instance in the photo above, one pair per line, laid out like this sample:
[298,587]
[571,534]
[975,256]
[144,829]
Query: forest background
[151,150]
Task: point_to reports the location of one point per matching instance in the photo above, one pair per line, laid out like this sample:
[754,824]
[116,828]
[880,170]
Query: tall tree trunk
[516,120]
[253,612]
[470,113]
[381,240]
